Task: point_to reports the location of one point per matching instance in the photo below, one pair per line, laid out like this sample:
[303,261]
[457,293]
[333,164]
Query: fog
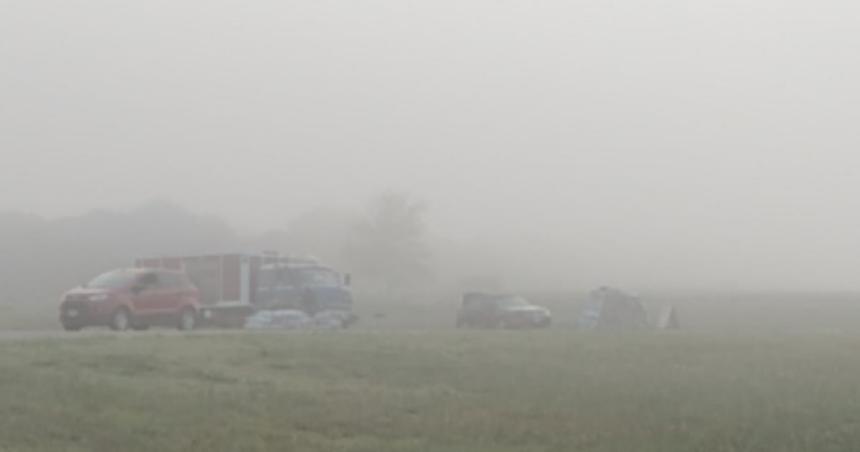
[652,145]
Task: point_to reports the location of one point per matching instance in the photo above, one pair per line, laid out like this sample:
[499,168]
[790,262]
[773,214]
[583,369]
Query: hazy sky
[662,142]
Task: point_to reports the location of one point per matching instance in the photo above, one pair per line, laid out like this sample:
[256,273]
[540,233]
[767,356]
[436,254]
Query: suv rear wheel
[187,319]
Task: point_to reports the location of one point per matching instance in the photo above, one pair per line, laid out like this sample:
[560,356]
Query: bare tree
[387,245]
[321,232]
[41,258]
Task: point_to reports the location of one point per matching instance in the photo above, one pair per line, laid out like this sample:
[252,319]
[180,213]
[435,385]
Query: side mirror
[347,279]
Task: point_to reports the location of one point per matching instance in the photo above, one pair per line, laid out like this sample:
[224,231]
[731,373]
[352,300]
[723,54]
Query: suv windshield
[112,280]
[512,302]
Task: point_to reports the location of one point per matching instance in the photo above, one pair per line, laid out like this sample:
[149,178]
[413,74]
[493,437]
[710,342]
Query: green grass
[481,391]
[42,316]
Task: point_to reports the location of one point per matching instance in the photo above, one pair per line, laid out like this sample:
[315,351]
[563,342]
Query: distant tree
[41,258]
[320,232]
[388,245]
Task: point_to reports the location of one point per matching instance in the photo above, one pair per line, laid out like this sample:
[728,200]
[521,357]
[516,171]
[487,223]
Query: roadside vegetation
[433,391]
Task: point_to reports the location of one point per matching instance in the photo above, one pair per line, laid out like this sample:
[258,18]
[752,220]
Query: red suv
[132,298]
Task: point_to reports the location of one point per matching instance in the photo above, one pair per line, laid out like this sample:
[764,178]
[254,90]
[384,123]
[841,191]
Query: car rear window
[170,280]
[112,280]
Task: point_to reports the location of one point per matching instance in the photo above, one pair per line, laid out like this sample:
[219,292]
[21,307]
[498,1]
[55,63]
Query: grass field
[432,391]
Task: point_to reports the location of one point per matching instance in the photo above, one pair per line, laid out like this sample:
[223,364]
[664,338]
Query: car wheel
[187,319]
[120,320]
[72,328]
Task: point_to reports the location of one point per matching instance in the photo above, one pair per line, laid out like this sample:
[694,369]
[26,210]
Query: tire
[187,320]
[120,320]
[72,328]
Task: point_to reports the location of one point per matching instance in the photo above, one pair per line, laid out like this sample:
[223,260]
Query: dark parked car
[481,310]
[132,298]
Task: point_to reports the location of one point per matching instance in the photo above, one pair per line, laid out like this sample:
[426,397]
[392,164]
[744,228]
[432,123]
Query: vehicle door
[494,312]
[145,294]
[321,289]
[187,292]
[291,288]
[265,290]
[169,292]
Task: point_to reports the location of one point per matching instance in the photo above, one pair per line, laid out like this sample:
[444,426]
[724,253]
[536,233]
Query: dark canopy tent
[609,308]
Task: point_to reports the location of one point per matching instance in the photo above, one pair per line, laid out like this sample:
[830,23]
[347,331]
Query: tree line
[384,245]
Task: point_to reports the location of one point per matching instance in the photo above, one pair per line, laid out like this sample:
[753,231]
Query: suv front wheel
[187,319]
[120,320]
